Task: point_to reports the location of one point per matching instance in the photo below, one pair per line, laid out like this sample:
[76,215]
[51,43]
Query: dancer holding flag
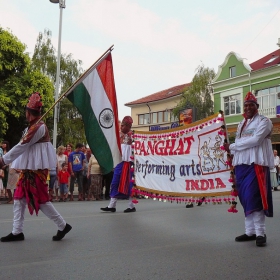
[34,155]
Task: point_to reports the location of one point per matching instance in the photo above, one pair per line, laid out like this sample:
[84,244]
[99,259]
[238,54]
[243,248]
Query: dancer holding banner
[34,155]
[121,185]
[252,159]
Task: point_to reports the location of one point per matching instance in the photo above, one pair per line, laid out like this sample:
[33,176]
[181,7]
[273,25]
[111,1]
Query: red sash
[124,179]
[32,185]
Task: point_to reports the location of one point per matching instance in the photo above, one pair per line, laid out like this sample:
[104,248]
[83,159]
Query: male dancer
[252,159]
[34,155]
[121,185]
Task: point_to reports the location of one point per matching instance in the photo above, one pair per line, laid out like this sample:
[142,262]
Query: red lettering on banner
[211,181]
[151,146]
[188,140]
[187,185]
[195,185]
[142,150]
[159,148]
[137,145]
[204,185]
[180,149]
[169,147]
[220,183]
[177,146]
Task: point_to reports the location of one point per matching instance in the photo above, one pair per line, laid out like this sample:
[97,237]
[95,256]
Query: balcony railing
[268,112]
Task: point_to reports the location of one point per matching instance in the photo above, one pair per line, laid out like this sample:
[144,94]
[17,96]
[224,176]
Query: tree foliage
[198,95]
[17,81]
[44,57]
[70,126]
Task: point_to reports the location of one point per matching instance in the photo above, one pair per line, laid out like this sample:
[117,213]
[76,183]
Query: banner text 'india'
[94,96]
[184,161]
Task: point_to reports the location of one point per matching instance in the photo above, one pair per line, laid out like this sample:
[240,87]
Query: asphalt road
[159,241]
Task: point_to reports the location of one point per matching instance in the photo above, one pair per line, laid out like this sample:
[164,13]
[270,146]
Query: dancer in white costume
[34,155]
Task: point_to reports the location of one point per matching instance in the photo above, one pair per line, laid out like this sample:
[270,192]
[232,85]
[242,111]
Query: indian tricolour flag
[94,95]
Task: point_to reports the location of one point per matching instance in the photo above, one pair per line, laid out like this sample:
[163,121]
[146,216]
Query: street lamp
[61,7]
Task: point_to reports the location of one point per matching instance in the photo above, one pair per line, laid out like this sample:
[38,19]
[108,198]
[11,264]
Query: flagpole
[77,81]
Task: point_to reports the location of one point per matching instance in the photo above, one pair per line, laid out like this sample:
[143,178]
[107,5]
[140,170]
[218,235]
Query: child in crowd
[63,176]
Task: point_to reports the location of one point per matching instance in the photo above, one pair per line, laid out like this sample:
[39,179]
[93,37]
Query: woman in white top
[61,158]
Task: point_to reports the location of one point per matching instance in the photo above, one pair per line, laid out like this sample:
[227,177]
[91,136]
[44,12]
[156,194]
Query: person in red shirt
[68,149]
[67,152]
[63,176]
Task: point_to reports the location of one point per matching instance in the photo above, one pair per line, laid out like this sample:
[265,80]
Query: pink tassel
[234,193]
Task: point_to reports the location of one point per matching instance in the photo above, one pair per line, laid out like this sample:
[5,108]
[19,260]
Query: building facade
[154,112]
[235,78]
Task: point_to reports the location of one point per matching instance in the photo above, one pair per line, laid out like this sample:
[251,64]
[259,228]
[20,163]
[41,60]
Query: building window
[165,116]
[232,71]
[160,117]
[144,119]
[141,119]
[154,119]
[268,98]
[232,104]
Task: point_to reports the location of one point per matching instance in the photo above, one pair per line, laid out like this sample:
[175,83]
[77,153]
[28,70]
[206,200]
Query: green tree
[17,81]
[198,95]
[44,57]
[70,125]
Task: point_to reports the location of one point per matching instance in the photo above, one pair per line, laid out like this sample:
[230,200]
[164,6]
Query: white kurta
[32,155]
[126,152]
[253,145]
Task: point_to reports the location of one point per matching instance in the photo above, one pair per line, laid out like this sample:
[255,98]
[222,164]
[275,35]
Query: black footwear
[13,237]
[245,237]
[107,209]
[129,210]
[201,201]
[275,188]
[60,234]
[261,241]
[189,205]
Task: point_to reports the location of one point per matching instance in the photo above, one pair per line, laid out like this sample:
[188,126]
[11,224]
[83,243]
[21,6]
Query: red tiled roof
[167,93]
[262,63]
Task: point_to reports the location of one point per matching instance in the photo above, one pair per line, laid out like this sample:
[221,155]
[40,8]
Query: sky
[158,44]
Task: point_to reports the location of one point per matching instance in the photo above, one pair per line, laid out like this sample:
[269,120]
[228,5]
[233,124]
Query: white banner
[185,161]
